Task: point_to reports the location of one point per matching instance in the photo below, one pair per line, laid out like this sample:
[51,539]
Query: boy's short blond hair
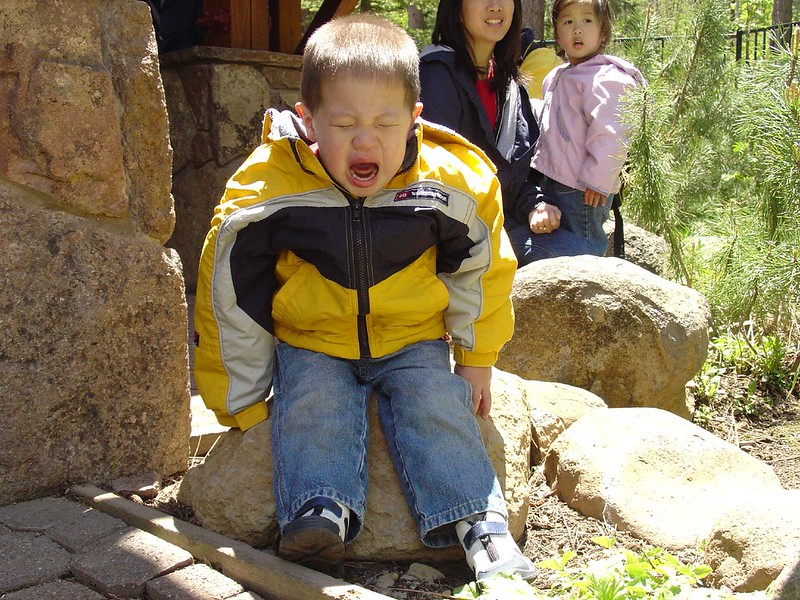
[361,45]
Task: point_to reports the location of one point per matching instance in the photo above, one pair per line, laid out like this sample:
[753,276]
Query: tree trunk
[781,11]
[533,16]
[415,18]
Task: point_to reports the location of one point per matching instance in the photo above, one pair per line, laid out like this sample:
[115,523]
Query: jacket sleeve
[606,137]
[440,102]
[480,316]
[233,355]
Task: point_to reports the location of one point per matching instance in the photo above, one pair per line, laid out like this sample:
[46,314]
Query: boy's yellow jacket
[291,257]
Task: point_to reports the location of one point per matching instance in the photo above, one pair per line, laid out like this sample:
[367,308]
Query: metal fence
[757,43]
[749,44]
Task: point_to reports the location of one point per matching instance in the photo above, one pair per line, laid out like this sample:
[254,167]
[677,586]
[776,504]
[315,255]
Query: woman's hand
[544,218]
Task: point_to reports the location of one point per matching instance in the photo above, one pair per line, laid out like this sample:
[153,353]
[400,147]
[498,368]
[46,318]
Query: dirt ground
[553,527]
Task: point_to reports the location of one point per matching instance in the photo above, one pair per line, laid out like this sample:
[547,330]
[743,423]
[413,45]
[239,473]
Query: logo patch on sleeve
[423,193]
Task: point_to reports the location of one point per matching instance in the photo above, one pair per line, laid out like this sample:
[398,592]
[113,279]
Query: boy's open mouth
[363,174]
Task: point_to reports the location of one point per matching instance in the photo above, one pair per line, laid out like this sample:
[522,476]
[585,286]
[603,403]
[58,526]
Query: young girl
[470,84]
[582,145]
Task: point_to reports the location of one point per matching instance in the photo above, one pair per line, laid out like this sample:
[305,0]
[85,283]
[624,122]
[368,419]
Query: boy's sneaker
[315,538]
[489,547]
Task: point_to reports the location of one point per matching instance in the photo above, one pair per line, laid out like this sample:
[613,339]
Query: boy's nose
[364,139]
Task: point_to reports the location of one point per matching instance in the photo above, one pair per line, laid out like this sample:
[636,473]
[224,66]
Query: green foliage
[623,575]
[503,586]
[714,167]
[394,10]
[653,573]
[757,365]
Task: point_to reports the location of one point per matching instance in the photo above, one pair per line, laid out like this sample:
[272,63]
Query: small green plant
[503,586]
[756,368]
[653,573]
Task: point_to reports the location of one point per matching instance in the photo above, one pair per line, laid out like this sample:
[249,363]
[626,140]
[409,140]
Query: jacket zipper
[360,268]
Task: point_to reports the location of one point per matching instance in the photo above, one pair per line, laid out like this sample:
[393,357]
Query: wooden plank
[240,23]
[328,10]
[259,571]
[287,22]
[259,24]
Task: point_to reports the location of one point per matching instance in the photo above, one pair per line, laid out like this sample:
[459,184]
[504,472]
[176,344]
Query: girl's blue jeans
[320,434]
[577,217]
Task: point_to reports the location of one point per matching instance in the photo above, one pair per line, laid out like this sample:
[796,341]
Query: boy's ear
[308,121]
[415,113]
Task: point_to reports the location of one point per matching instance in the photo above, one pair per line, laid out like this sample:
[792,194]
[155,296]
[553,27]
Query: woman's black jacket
[450,98]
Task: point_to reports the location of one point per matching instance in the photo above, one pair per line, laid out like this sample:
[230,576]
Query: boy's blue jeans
[319,436]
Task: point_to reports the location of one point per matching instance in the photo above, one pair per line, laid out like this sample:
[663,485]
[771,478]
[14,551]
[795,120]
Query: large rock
[231,492]
[608,326]
[643,248]
[653,474]
[554,407]
[787,585]
[751,544]
[84,118]
[94,370]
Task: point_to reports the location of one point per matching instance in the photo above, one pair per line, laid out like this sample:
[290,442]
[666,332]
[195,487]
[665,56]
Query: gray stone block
[196,582]
[40,515]
[28,559]
[55,590]
[71,524]
[122,563]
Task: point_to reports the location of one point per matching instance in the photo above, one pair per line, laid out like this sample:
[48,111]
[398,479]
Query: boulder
[95,365]
[603,324]
[655,475]
[787,585]
[643,248]
[231,492]
[94,354]
[554,407]
[751,544]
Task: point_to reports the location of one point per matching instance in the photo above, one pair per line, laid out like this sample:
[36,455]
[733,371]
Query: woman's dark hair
[449,31]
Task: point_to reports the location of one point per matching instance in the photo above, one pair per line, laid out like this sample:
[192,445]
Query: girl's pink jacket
[582,143]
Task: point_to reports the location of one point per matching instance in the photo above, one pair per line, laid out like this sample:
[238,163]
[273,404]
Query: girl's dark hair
[449,31]
[602,10]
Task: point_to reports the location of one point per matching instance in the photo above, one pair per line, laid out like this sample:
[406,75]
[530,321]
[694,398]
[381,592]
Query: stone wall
[216,98]
[94,379]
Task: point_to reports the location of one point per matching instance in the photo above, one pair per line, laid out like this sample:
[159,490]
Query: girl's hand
[480,379]
[593,198]
[545,218]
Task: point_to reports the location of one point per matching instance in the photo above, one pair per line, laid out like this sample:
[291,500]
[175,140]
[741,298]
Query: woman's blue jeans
[581,230]
[320,434]
[529,246]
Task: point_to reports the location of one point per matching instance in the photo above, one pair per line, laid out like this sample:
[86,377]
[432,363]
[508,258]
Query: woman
[470,84]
